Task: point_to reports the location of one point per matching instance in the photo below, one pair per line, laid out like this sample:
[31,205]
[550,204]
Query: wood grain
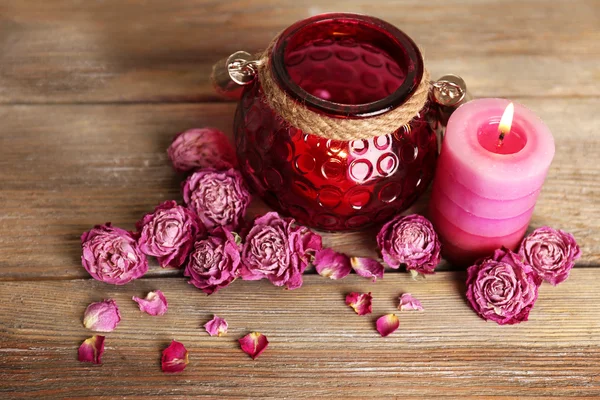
[157,51]
[318,346]
[65,168]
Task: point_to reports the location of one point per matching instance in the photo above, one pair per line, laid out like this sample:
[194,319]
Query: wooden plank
[153,51]
[65,168]
[318,346]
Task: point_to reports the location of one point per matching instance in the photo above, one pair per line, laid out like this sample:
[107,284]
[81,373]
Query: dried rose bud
[174,358]
[412,241]
[409,303]
[360,302]
[367,267]
[219,198]
[169,233]
[214,262]
[387,324]
[331,264]
[551,253]
[103,316]
[254,344]
[154,304]
[277,250]
[216,326]
[91,350]
[201,148]
[501,288]
[112,255]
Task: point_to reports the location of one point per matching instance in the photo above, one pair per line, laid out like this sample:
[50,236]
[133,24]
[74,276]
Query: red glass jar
[345,66]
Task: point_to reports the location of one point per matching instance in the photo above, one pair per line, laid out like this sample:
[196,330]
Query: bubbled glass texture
[329,184]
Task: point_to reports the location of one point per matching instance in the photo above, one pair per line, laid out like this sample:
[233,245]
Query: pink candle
[485,188]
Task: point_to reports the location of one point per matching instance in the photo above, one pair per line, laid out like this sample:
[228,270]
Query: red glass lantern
[344,66]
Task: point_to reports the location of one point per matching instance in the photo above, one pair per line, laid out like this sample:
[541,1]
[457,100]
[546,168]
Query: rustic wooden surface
[91,92]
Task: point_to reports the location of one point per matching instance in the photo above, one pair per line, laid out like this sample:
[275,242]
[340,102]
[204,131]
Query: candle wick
[501,138]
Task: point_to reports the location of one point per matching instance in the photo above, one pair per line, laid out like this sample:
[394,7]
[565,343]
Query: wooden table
[91,93]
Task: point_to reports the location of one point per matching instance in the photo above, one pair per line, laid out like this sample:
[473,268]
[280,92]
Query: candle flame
[506,121]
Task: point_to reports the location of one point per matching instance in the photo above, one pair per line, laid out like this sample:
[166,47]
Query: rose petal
[91,350]
[409,303]
[254,344]
[155,303]
[367,267]
[174,358]
[216,326]
[360,302]
[331,264]
[387,324]
[103,316]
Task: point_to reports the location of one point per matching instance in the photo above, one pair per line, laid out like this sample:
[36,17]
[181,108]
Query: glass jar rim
[414,69]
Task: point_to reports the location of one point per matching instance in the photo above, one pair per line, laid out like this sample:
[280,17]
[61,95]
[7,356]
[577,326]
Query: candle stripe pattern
[484,198]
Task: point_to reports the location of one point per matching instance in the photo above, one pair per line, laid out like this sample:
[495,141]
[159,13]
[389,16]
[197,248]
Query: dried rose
[174,358]
[409,303]
[112,255]
[219,198]
[367,267]
[277,250]
[254,344]
[501,288]
[215,261]
[387,324]
[169,233]
[551,253]
[360,302]
[103,316]
[331,264]
[216,326]
[155,303]
[410,240]
[91,350]
[201,148]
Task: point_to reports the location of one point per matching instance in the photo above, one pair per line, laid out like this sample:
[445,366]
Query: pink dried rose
[103,316]
[174,358]
[154,304]
[551,253]
[112,255]
[201,148]
[215,261]
[277,250]
[387,324]
[219,198]
[216,326]
[412,241]
[254,344]
[367,267]
[409,303]
[360,302]
[91,350]
[331,264]
[501,288]
[169,233]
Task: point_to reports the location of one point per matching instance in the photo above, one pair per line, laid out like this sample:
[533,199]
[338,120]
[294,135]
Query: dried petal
[331,264]
[409,303]
[174,358]
[216,326]
[367,267]
[103,316]
[254,344]
[155,303]
[387,324]
[360,302]
[91,350]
